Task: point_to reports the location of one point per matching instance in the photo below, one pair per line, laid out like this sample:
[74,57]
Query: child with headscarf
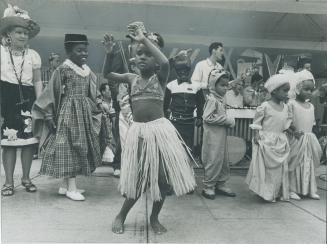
[268,172]
[305,149]
[215,124]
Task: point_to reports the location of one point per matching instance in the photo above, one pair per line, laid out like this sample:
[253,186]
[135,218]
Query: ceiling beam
[278,6]
[200,40]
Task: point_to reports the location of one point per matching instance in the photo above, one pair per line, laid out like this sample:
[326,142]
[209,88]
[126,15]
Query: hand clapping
[136,31]
[108,42]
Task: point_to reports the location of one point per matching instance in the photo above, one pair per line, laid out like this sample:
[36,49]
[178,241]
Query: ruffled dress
[305,152]
[74,148]
[268,172]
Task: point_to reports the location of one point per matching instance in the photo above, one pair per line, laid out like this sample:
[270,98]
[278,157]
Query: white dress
[305,152]
[268,172]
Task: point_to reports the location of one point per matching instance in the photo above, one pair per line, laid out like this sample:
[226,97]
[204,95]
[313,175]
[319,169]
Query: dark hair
[103,87]
[159,40]
[214,45]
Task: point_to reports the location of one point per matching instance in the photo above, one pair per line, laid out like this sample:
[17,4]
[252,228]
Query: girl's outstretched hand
[136,32]
[108,42]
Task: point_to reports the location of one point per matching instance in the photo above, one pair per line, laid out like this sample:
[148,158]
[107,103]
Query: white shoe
[314,196]
[282,199]
[117,173]
[63,190]
[75,195]
[294,196]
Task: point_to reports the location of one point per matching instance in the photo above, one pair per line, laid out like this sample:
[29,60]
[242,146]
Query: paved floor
[47,217]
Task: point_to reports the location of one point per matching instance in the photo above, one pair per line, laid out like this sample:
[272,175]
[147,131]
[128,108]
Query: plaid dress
[74,148]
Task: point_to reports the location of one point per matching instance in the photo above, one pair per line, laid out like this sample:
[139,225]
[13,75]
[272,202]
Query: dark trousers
[186,130]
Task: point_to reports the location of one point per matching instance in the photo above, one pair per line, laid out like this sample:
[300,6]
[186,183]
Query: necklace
[19,78]
[23,101]
[17,52]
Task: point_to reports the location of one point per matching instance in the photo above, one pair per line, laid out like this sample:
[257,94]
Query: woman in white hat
[20,84]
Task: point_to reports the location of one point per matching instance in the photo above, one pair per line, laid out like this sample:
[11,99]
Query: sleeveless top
[151,90]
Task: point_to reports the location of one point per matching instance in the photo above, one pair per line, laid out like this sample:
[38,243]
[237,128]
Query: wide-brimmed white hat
[14,16]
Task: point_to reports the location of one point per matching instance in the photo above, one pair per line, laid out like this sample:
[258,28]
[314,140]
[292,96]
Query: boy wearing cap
[182,98]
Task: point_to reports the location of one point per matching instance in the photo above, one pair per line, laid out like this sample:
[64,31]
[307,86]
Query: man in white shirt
[203,68]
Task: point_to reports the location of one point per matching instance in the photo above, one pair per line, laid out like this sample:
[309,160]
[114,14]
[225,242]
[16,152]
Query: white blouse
[32,61]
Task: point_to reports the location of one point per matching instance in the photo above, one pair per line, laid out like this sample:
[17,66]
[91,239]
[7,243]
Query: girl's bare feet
[118,225]
[156,226]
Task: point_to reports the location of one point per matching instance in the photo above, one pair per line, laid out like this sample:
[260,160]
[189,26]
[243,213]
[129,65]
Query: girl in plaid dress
[68,108]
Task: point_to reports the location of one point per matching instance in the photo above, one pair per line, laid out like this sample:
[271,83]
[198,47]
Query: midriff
[147,110]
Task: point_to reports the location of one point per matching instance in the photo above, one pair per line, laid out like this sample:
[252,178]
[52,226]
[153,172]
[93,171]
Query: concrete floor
[47,217]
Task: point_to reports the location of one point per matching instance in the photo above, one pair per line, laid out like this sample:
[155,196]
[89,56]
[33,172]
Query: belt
[175,116]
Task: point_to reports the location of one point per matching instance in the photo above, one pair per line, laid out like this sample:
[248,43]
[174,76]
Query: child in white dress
[305,151]
[268,172]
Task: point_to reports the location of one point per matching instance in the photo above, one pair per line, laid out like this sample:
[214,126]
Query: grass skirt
[150,147]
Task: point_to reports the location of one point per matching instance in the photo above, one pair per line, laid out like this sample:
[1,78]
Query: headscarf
[301,76]
[214,76]
[277,80]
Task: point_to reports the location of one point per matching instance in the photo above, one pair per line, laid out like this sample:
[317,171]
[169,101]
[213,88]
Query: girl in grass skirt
[154,155]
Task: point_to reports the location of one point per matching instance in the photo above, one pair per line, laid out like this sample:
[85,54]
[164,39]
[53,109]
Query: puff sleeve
[258,117]
[36,59]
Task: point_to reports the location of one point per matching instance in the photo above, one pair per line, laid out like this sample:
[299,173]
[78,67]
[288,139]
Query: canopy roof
[274,24]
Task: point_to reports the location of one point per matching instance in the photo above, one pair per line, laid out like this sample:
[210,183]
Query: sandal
[29,186]
[7,191]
